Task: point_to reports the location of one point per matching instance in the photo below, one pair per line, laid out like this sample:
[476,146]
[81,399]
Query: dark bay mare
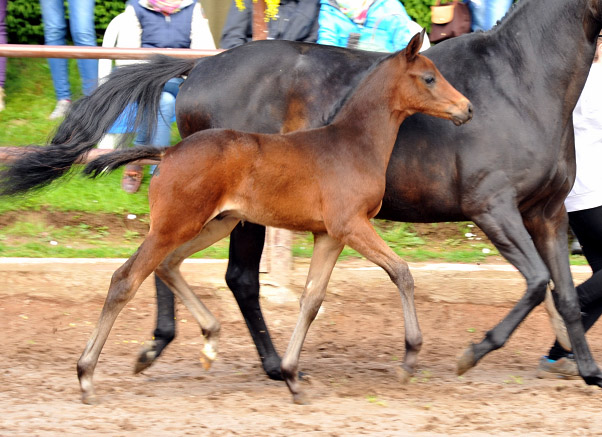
[328,180]
[509,170]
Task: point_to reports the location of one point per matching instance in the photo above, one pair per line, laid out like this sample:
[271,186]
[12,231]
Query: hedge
[24,21]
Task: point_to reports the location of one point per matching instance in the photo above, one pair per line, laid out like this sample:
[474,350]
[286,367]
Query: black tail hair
[90,118]
[110,161]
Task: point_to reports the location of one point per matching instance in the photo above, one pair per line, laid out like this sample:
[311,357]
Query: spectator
[81,25]
[3,40]
[297,20]
[584,205]
[159,24]
[485,13]
[378,25]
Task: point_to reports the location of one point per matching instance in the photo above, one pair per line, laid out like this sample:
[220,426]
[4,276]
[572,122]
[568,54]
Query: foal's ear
[414,46]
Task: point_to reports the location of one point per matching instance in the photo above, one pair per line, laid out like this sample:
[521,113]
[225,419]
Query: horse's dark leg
[550,236]
[503,225]
[165,331]
[242,276]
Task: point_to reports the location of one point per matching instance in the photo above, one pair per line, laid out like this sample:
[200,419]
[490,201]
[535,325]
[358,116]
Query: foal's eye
[429,80]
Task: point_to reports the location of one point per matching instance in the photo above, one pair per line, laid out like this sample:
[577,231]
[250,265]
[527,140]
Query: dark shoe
[132,178]
[563,368]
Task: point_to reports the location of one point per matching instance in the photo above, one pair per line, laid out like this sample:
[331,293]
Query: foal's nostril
[469,109]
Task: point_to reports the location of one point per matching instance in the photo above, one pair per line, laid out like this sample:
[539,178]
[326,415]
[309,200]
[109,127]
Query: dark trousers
[587,226]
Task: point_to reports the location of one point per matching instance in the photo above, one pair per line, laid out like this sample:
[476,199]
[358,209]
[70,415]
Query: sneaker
[132,178]
[563,368]
[61,108]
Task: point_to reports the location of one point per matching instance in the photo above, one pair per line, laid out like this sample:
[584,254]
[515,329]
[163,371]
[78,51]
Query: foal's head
[422,88]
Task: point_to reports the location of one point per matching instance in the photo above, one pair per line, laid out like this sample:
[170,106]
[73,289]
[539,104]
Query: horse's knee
[243,283]
[536,288]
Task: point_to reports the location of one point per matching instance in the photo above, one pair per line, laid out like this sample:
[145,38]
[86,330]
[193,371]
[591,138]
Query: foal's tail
[110,161]
[133,86]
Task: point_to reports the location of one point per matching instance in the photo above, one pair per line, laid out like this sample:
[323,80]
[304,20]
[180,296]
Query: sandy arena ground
[48,309]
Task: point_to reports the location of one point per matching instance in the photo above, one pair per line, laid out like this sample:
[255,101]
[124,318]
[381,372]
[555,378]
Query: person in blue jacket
[377,25]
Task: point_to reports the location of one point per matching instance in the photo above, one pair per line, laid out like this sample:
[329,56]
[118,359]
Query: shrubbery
[24,20]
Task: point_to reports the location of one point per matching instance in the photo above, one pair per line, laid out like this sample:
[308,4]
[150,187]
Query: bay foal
[329,181]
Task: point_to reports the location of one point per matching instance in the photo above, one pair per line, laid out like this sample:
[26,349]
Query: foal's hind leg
[169,271]
[326,252]
[124,284]
[362,237]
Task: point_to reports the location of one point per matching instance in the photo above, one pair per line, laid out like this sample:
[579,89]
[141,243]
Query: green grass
[93,207]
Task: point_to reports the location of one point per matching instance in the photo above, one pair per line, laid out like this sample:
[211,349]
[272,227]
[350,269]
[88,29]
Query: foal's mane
[341,102]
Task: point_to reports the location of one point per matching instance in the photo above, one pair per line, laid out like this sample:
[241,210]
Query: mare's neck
[552,51]
[368,116]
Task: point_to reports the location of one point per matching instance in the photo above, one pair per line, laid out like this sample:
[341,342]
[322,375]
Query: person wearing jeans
[81,27]
[485,13]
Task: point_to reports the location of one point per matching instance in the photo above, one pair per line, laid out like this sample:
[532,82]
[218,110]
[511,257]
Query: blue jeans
[165,117]
[485,13]
[81,26]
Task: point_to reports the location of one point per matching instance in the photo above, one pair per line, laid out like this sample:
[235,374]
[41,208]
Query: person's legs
[55,29]
[485,13]
[3,40]
[132,176]
[81,24]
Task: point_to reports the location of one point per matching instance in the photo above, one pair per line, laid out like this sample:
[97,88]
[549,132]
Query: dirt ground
[48,309]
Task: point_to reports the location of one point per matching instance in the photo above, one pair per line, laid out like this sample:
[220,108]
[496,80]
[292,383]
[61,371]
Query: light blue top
[385,29]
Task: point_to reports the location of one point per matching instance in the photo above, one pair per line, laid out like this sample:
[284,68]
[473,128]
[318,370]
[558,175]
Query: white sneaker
[61,108]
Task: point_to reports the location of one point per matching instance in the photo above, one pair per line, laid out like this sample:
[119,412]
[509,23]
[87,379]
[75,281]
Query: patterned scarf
[166,7]
[356,10]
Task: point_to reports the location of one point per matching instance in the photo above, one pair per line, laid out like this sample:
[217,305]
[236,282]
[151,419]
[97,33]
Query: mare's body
[508,171]
[329,180]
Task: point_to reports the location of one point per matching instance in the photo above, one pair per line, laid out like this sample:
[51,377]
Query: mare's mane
[341,102]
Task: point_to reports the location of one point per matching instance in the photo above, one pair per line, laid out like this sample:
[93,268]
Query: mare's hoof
[300,399]
[467,361]
[403,375]
[146,357]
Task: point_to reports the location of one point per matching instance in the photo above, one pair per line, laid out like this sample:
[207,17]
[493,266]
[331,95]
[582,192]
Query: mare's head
[422,88]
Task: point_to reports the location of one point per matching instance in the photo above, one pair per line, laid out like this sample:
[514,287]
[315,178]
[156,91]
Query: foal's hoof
[300,399]
[403,375]
[90,399]
[146,357]
[467,361]
[207,357]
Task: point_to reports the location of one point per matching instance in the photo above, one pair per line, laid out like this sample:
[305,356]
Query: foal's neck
[369,115]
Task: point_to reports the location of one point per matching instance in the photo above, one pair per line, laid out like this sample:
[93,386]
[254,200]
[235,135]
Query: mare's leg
[169,271]
[246,245]
[326,252]
[503,225]
[363,238]
[550,236]
[165,330]
[124,284]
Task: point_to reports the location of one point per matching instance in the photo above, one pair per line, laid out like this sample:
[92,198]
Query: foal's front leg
[362,237]
[326,252]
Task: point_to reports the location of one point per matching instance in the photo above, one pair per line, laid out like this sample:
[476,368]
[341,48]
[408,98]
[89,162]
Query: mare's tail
[137,85]
[113,160]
